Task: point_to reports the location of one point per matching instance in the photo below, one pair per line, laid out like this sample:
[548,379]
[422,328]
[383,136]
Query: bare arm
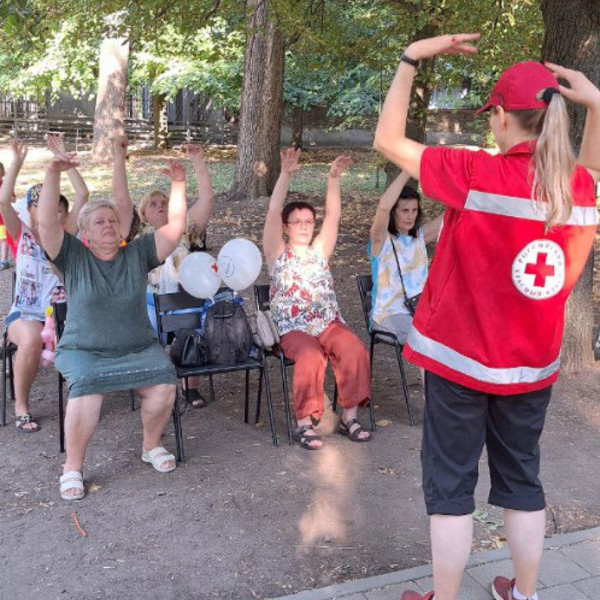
[431,229]
[167,237]
[379,228]
[82,194]
[273,244]
[7,190]
[202,209]
[333,207]
[583,91]
[119,185]
[390,135]
[49,228]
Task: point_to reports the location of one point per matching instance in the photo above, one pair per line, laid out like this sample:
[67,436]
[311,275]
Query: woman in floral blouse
[305,310]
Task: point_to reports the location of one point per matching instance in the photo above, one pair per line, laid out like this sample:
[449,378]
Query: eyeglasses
[308,223]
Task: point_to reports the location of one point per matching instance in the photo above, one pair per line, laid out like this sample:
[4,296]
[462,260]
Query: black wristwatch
[409,61]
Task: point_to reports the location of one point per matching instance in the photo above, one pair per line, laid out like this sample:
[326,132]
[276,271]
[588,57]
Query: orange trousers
[350,362]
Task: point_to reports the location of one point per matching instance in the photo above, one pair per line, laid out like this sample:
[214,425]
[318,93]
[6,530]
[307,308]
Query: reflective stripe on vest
[463,364]
[525,208]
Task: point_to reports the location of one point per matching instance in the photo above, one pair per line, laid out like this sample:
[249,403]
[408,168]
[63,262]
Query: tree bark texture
[109,115]
[257,163]
[160,121]
[572,39]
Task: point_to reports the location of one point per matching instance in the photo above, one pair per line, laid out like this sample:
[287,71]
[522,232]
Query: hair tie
[546,95]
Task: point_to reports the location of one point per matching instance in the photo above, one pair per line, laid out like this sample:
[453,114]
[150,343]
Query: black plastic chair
[263,303]
[169,323]
[59,312]
[365,286]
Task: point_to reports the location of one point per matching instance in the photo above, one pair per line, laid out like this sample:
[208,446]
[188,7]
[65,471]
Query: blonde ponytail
[554,161]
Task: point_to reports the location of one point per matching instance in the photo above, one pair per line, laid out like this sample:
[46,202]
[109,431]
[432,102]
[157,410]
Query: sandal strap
[71,480]
[348,424]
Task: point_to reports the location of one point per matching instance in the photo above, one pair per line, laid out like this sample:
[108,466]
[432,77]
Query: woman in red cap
[517,232]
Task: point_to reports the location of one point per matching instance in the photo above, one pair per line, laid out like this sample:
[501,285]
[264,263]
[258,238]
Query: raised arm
[583,91]
[7,190]
[119,185]
[167,237]
[431,229]
[57,147]
[202,209]
[333,207]
[273,244]
[49,228]
[379,229]
[390,135]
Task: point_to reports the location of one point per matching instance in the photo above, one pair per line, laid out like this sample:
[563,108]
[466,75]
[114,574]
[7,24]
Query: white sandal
[72,480]
[157,457]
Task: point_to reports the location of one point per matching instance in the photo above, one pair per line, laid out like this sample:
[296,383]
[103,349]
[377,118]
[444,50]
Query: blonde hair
[146,200]
[83,218]
[553,161]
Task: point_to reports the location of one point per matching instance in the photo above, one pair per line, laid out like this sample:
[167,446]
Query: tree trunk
[572,39]
[160,121]
[257,163]
[297,126]
[109,115]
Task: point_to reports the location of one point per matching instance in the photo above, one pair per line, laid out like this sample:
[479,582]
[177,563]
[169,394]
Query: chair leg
[4,376]
[61,413]
[335,394]
[247,396]
[258,397]
[178,430]
[212,388]
[286,400]
[372,403]
[411,419]
[132,398]
[265,373]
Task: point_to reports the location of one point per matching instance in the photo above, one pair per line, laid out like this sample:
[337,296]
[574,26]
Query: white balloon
[239,263]
[199,275]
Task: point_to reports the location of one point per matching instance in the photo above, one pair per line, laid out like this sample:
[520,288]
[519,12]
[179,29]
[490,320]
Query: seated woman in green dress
[108,343]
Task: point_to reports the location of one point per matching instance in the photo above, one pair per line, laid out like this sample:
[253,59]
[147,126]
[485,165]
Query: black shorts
[458,422]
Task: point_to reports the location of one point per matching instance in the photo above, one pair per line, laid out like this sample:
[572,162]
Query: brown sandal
[353,434]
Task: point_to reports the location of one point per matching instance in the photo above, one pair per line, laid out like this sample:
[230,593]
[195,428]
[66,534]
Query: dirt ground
[241,518]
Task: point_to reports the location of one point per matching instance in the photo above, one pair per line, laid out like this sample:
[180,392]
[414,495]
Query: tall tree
[109,116]
[257,162]
[572,39]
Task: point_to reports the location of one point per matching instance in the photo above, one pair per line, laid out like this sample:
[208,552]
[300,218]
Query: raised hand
[339,165]
[19,151]
[62,162]
[581,90]
[457,43]
[175,171]
[120,143]
[56,144]
[290,161]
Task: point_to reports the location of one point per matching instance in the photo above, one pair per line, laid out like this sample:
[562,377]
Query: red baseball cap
[519,87]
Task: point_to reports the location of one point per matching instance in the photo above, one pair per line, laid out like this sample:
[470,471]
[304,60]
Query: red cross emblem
[540,269]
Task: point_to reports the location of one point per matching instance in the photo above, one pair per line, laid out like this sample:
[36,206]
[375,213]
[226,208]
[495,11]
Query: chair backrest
[262,296]
[365,286]
[59,312]
[169,323]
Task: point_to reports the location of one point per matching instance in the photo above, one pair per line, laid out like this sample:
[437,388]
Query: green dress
[108,343]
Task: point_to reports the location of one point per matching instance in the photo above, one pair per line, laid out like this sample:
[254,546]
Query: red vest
[492,312]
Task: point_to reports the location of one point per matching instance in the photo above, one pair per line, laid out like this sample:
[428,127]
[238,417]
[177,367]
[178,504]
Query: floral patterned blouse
[302,294]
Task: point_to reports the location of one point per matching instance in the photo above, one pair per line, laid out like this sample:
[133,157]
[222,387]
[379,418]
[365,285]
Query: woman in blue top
[398,225]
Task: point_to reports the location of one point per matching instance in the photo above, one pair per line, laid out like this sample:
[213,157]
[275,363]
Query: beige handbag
[267,331]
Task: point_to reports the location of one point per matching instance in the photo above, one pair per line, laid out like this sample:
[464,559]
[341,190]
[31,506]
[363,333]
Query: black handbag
[188,349]
[412,301]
